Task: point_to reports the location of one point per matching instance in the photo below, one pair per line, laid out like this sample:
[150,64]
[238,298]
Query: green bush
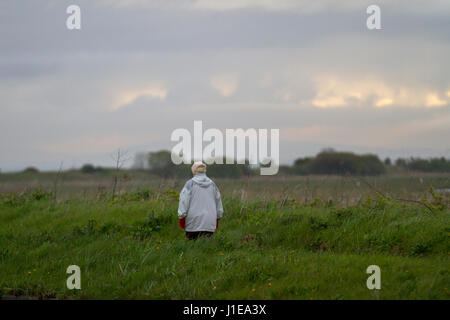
[340,163]
[30,170]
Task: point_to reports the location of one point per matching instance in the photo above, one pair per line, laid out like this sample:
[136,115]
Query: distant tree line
[424,165]
[160,163]
[327,162]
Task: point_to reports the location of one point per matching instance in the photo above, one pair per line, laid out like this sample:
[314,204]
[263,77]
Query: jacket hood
[202,180]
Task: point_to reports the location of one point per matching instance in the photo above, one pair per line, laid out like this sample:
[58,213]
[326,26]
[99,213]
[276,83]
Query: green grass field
[304,242]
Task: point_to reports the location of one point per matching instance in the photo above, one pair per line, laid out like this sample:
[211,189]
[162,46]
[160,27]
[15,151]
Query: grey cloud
[58,87]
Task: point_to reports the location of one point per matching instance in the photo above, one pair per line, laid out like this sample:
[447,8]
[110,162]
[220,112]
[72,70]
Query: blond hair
[198,167]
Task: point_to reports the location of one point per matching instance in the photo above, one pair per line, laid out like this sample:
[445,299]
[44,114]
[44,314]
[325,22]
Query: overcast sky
[138,69]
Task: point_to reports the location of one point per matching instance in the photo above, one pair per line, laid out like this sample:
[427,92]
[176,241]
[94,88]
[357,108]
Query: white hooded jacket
[200,203]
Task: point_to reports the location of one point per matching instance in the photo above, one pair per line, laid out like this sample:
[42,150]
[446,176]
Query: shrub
[88,168]
[30,170]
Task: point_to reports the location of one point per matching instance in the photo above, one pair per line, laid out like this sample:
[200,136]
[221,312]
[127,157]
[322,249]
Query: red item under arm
[217,224]
[182,223]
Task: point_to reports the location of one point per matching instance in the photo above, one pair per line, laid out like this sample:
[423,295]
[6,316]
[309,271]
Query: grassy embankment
[131,247]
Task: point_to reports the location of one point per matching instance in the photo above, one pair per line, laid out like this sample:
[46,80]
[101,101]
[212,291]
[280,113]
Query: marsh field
[306,237]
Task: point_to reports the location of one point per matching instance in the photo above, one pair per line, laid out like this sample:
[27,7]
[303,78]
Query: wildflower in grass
[253,290]
[269,284]
[29,272]
[157,248]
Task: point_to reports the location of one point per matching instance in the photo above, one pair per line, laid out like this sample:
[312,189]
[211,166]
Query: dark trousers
[195,234]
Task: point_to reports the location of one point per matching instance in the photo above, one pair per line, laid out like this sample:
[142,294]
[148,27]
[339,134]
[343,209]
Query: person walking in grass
[200,207]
